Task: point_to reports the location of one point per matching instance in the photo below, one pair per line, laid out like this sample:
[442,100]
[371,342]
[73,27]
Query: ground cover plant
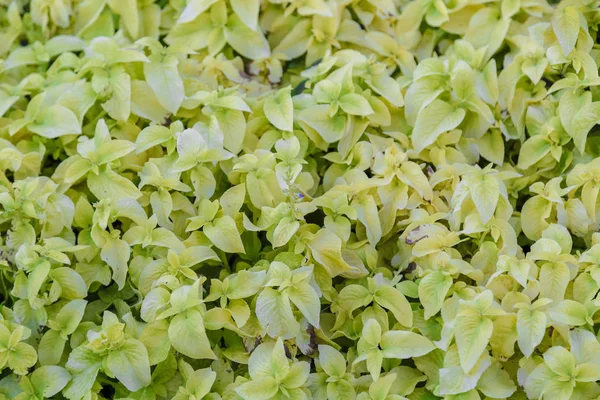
[299,199]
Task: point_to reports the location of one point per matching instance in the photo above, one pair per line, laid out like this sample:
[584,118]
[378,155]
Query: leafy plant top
[299,199]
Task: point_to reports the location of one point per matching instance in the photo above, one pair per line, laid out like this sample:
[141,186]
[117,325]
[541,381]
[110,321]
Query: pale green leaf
[435,119]
[565,23]
[279,110]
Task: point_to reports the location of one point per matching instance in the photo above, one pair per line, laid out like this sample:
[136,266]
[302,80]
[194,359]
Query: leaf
[306,299]
[130,365]
[233,125]
[531,327]
[326,249]
[274,313]
[433,289]
[223,233]
[36,279]
[366,211]
[258,389]
[565,23]
[249,43]
[116,254]
[297,41]
[70,315]
[405,344]
[6,101]
[84,365]
[381,388]
[510,8]
[537,382]
[584,345]
[240,311]
[340,390]
[110,185]
[144,102]
[297,375]
[193,9]
[388,88]
[233,199]
[119,105]
[374,363]
[569,312]
[128,11]
[163,77]
[155,337]
[583,122]
[187,335]
[87,12]
[153,303]
[554,279]
[266,359]
[231,102]
[533,150]
[435,119]
[485,192]
[560,361]
[496,382]
[113,150]
[51,348]
[355,104]
[588,372]
[247,11]
[392,299]
[246,284]
[191,36]
[473,334]
[279,109]
[284,231]
[332,361]
[330,128]
[20,57]
[569,104]
[535,68]
[352,297]
[49,380]
[533,216]
[21,357]
[55,121]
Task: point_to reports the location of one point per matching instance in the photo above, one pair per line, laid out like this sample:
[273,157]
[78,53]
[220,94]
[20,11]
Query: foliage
[299,199]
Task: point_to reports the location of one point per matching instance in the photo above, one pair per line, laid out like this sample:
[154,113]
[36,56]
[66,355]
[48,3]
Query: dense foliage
[299,199]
